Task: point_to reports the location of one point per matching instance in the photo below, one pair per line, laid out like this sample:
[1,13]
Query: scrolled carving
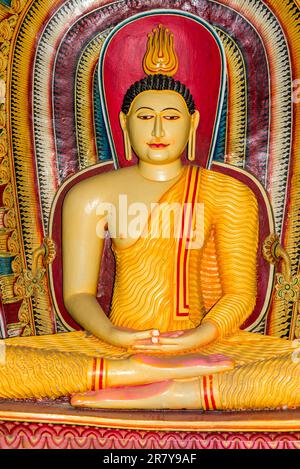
[288,289]
[50,250]
[13,243]
[4,51]
[18,5]
[29,284]
[273,252]
[2,110]
[16,265]
[24,318]
[10,219]
[3,143]
[7,287]
[4,171]
[33,282]
[269,248]
[7,28]
[19,287]
[8,197]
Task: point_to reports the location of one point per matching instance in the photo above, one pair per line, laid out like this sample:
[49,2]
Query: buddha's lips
[158,145]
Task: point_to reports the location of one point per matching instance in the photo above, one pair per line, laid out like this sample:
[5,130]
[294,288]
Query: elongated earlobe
[128,151]
[192,136]
[127,145]
[192,145]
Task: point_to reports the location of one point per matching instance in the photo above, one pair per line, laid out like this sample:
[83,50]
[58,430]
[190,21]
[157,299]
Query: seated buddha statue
[159,348]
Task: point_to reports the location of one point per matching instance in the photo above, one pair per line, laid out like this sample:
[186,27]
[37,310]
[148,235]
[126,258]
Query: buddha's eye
[145,117]
[171,118]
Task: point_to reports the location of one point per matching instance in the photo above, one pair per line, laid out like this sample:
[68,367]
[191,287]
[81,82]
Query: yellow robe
[160,283]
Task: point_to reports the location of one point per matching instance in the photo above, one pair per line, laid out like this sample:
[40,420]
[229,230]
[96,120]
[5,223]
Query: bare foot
[145,369]
[182,367]
[129,382]
[122,397]
[163,395]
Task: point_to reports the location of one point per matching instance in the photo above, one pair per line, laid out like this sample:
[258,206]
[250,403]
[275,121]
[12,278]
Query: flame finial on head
[160,57]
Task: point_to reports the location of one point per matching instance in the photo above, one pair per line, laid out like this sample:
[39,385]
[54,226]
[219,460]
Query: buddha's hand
[128,338]
[177,341]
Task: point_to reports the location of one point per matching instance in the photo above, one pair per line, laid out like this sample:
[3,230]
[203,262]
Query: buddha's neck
[163,172]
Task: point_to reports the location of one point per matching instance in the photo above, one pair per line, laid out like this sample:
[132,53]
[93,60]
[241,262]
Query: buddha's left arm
[236,228]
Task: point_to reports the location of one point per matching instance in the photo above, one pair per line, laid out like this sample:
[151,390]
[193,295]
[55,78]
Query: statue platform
[56,424]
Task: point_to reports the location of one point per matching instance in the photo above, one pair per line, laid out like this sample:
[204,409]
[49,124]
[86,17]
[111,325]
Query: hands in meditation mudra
[177,352]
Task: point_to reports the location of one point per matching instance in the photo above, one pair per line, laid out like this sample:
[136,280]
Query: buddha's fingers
[155,347]
[157,338]
[148,334]
[172,334]
[171,340]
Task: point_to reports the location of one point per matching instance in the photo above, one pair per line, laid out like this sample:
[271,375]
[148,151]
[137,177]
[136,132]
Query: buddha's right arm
[82,246]
[83,232]
[87,312]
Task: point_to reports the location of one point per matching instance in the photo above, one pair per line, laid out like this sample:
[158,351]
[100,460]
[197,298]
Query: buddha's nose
[158,130]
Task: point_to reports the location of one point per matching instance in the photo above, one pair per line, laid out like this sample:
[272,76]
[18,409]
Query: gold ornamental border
[10,20]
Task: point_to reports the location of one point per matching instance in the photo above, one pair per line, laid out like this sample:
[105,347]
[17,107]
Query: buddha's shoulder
[219,189]
[222,182]
[101,184]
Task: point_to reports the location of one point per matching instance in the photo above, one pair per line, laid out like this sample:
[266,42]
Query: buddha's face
[158,125]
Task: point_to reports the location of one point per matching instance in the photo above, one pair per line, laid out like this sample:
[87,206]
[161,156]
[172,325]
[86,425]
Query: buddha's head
[158,119]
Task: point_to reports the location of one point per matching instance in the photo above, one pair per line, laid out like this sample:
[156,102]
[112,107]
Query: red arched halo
[201,69]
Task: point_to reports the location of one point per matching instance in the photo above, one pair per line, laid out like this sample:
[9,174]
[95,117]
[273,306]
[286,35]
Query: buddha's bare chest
[131,210]
[139,208]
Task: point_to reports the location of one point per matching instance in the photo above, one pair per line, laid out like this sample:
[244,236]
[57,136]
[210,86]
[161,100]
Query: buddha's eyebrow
[144,107]
[171,109]
[166,109]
